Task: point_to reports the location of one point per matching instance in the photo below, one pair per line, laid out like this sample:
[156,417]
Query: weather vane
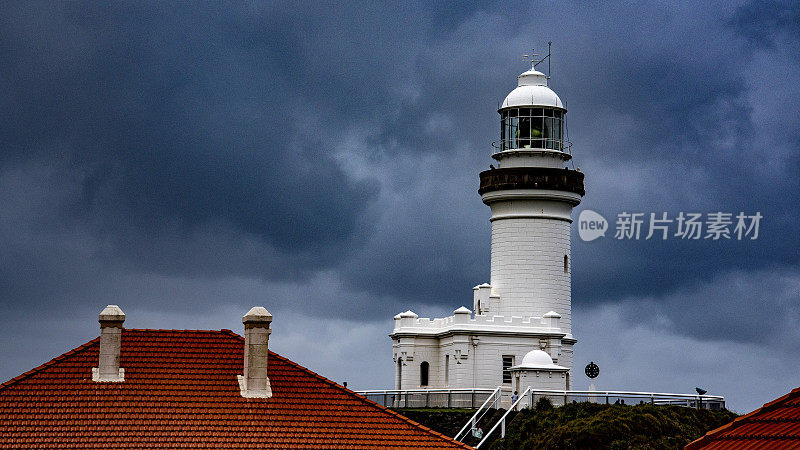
[532,59]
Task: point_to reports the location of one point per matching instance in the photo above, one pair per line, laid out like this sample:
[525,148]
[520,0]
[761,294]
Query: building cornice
[479,332]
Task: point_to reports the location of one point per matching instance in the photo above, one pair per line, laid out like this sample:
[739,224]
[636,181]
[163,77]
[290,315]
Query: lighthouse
[531,195]
[519,331]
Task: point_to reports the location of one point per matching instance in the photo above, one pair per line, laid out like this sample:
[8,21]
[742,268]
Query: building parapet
[462,320]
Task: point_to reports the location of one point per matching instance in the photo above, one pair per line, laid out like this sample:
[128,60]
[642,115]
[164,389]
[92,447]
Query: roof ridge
[741,420]
[38,369]
[60,357]
[230,332]
[359,397]
[368,401]
[168,329]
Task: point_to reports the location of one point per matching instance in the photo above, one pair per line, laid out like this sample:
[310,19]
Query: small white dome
[532,90]
[537,358]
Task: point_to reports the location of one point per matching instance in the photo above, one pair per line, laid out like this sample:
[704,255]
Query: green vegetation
[584,426]
[591,425]
[445,421]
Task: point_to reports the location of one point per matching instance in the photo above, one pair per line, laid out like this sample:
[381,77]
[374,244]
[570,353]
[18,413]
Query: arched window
[566,264]
[423,373]
[399,373]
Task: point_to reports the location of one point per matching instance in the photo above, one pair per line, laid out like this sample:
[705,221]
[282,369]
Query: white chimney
[111,319]
[254,383]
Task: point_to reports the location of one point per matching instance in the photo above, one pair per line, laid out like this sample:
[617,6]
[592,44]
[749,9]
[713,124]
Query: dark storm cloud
[176,126]
[658,124]
[765,22]
[678,125]
[759,307]
[337,146]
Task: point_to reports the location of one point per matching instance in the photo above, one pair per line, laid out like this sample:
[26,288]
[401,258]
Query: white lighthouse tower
[519,331]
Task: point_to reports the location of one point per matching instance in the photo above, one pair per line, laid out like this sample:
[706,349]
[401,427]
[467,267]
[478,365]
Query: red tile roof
[181,391]
[774,425]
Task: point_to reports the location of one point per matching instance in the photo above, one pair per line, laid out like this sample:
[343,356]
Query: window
[531,128]
[447,370]
[399,373]
[423,373]
[508,361]
[566,264]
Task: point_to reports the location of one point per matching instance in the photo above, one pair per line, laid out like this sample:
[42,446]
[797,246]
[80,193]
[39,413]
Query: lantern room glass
[531,127]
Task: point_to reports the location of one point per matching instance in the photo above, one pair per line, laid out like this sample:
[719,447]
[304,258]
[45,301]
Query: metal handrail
[565,147]
[497,392]
[653,397]
[411,391]
[403,396]
[629,394]
[503,419]
[548,391]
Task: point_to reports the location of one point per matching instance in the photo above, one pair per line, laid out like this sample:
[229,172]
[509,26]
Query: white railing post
[502,419]
[478,414]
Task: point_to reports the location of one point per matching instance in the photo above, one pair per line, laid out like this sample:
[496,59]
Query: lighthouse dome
[532,90]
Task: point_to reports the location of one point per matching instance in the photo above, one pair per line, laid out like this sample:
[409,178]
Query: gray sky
[189,161]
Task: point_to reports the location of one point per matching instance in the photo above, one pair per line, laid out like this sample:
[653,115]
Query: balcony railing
[473,398]
[429,398]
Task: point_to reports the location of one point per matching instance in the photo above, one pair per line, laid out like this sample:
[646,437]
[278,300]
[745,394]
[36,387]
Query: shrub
[544,404]
[592,425]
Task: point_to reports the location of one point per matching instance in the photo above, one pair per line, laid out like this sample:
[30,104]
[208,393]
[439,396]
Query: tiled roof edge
[232,334]
[38,369]
[708,437]
[365,400]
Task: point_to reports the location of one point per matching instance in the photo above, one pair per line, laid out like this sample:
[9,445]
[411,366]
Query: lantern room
[532,116]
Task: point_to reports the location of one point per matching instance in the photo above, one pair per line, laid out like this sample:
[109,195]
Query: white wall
[527,269]
[471,366]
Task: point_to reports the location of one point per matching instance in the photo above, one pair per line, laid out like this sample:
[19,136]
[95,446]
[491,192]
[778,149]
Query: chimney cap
[462,310]
[257,314]
[111,313]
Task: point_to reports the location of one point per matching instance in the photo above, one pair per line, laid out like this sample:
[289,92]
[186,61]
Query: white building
[520,334]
